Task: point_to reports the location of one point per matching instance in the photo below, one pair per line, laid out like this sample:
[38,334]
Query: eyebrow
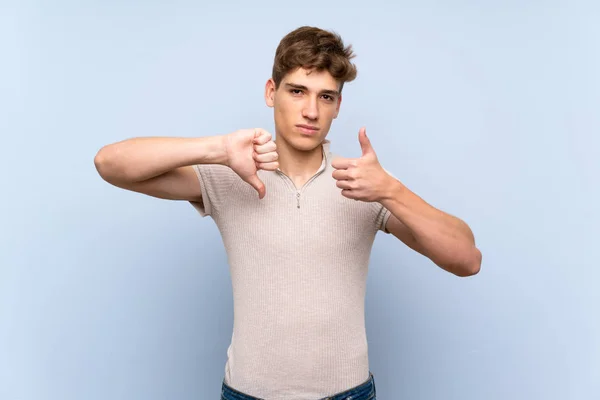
[302,87]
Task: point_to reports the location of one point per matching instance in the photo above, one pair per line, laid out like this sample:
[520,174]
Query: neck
[298,164]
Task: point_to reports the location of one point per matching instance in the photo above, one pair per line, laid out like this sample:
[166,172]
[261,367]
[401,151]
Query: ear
[270,92]
[337,107]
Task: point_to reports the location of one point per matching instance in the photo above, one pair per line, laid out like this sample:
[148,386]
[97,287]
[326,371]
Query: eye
[327,97]
[295,91]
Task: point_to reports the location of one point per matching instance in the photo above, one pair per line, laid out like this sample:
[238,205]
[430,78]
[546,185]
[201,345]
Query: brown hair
[314,48]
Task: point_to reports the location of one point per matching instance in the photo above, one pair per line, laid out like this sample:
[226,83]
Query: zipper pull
[298,199]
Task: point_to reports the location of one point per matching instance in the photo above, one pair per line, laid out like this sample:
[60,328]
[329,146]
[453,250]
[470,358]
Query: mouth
[307,129]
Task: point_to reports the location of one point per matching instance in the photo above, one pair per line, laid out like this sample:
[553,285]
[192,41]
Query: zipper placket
[293,187]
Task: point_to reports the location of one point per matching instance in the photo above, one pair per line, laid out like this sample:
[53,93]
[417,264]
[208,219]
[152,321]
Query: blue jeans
[364,391]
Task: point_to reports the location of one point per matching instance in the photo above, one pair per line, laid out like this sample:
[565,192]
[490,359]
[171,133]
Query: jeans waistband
[364,391]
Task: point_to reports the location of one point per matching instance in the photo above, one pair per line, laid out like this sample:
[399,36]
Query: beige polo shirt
[298,262]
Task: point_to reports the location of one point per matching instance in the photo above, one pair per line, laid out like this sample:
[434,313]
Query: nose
[311,110]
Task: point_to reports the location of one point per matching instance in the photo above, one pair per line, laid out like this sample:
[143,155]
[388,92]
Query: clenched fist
[249,150]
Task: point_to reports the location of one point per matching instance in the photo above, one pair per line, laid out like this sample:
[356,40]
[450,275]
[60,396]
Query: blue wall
[489,112]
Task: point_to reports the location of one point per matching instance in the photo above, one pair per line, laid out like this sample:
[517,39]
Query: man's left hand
[362,178]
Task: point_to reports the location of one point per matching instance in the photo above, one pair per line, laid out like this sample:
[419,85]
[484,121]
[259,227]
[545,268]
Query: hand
[249,150]
[361,178]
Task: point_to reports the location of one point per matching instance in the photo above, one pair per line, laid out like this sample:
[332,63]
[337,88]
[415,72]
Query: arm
[444,239]
[163,167]
[441,237]
[159,166]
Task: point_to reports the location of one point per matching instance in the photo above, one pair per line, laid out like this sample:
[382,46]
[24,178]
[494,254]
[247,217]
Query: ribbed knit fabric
[298,262]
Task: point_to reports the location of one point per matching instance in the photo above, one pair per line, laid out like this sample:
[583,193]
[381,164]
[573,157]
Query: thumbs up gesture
[249,150]
[361,178]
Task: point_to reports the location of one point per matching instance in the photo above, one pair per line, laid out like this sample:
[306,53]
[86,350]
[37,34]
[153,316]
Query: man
[298,226]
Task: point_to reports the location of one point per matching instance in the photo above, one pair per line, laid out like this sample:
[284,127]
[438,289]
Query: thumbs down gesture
[251,150]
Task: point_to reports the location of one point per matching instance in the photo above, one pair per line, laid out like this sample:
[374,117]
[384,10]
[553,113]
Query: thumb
[365,143]
[257,184]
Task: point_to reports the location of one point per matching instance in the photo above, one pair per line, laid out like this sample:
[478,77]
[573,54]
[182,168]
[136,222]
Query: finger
[265,148]
[257,184]
[365,143]
[261,136]
[342,174]
[267,157]
[344,185]
[343,163]
[349,194]
[269,166]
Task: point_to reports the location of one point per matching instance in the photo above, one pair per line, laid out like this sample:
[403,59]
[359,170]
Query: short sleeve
[384,213]
[215,184]
[382,218]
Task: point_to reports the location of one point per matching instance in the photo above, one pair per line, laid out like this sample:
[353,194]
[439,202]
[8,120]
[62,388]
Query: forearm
[139,159]
[445,239]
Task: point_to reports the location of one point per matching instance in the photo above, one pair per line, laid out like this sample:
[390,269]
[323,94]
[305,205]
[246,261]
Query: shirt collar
[325,147]
[326,153]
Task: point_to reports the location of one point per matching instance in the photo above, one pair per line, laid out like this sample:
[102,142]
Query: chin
[304,143]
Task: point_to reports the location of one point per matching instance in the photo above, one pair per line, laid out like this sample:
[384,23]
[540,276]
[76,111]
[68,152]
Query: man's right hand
[249,150]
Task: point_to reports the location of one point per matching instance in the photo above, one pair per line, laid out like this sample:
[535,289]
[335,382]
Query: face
[305,104]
